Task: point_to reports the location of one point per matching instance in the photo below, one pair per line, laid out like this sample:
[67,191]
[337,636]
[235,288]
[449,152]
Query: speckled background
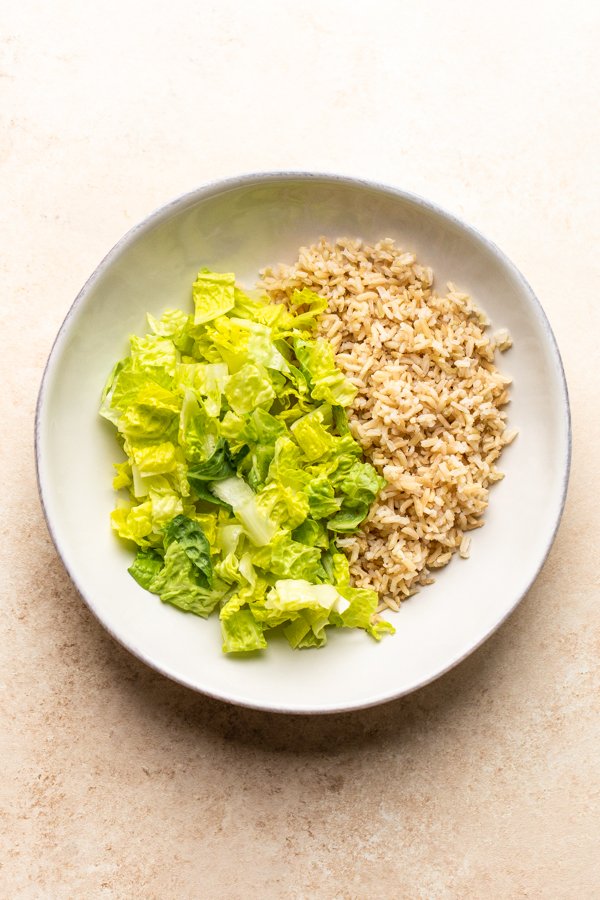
[119,784]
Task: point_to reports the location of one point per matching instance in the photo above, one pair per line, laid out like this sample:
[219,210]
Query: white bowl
[241,225]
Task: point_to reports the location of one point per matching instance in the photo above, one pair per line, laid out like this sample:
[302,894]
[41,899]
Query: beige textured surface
[118,784]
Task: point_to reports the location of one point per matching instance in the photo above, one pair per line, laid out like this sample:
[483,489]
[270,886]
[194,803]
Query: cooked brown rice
[428,409]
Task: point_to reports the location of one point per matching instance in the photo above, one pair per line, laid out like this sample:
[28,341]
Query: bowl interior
[241,226]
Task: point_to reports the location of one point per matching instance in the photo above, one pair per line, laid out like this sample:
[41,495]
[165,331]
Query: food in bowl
[302,456]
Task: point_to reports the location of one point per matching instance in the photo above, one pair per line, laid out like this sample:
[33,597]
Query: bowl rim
[213,188]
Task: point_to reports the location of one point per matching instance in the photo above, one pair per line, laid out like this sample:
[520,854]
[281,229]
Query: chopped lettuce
[146,566]
[249,388]
[326,382]
[240,468]
[242,633]
[192,539]
[179,584]
[213,294]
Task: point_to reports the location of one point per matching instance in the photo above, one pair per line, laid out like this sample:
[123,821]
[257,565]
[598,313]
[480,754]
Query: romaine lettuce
[240,467]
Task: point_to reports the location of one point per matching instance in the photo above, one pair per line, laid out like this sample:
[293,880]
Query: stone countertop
[119,784]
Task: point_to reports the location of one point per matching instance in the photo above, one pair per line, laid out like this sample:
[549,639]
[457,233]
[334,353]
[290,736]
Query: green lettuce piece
[140,407]
[126,384]
[206,380]
[166,504]
[312,435]
[287,464]
[336,566]
[340,420]
[143,424]
[283,505]
[254,434]
[287,558]
[308,630]
[256,466]
[257,307]
[322,501]
[242,499]
[210,382]
[145,567]
[326,381]
[171,324]
[134,523]
[362,483]
[153,355]
[248,388]
[228,537]
[307,308]
[380,628]
[311,533]
[198,432]
[229,341]
[215,468]
[248,304]
[360,486]
[202,494]
[297,630]
[107,409]
[228,569]
[178,583]
[242,633]
[310,301]
[266,427]
[124,475]
[347,520]
[235,569]
[213,295]
[209,523]
[264,352]
[361,610]
[294,594]
[152,459]
[193,541]
[241,341]
[255,341]
[251,594]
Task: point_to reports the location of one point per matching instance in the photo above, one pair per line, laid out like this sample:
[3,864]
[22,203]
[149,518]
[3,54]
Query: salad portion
[240,468]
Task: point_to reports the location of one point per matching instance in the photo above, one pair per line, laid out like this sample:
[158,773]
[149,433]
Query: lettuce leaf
[171,324]
[312,436]
[248,388]
[152,458]
[178,583]
[242,499]
[217,467]
[287,558]
[193,541]
[322,501]
[207,381]
[242,633]
[213,295]
[326,381]
[311,533]
[145,567]
[153,355]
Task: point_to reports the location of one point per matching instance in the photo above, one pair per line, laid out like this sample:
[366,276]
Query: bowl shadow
[431,708]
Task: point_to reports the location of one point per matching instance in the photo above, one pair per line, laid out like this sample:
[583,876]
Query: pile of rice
[428,412]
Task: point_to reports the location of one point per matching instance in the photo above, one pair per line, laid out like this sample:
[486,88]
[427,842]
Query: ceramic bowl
[241,225]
